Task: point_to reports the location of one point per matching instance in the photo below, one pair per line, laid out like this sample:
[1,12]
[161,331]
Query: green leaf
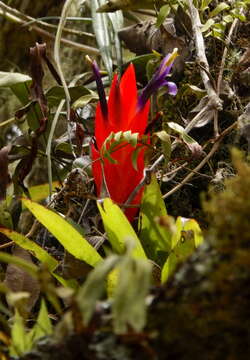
[118,228]
[169,267]
[166,144]
[55,94]
[207,25]
[193,225]
[154,237]
[72,241]
[43,324]
[135,155]
[30,245]
[163,13]
[129,298]
[40,192]
[20,344]
[219,8]
[9,79]
[85,100]
[115,140]
[185,240]
[94,287]
[204,4]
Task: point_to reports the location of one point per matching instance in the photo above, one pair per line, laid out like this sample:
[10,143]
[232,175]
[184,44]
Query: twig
[145,12]
[203,162]
[214,100]
[52,26]
[8,244]
[19,18]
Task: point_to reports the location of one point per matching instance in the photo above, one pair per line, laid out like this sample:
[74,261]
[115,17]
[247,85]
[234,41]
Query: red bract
[122,114]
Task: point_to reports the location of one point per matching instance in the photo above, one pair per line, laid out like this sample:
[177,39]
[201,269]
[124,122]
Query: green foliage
[117,140]
[118,228]
[154,237]
[27,244]
[128,298]
[22,339]
[222,15]
[185,239]
[67,235]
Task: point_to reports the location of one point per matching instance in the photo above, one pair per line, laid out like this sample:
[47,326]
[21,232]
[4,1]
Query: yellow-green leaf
[30,245]
[154,237]
[119,229]
[65,233]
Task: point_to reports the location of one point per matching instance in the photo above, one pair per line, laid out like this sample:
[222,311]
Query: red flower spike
[120,179]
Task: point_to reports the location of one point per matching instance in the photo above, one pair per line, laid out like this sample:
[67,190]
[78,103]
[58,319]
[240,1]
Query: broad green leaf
[12,259]
[118,228]
[9,79]
[154,237]
[30,245]
[71,240]
[219,8]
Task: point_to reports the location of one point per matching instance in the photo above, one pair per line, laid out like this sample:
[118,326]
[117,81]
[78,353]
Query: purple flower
[159,80]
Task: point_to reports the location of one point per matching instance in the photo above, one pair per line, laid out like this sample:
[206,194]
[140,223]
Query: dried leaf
[37,74]
[114,5]
[145,37]
[17,279]
[207,115]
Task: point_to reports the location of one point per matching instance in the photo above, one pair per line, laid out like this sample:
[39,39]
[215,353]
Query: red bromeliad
[124,111]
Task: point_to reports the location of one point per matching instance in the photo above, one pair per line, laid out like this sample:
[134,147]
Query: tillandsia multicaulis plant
[125,111]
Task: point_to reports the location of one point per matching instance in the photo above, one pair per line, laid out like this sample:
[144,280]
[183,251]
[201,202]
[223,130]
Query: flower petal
[129,97]
[172,88]
[114,105]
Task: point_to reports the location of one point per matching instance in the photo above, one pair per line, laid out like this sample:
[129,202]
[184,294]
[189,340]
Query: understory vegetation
[125,180]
